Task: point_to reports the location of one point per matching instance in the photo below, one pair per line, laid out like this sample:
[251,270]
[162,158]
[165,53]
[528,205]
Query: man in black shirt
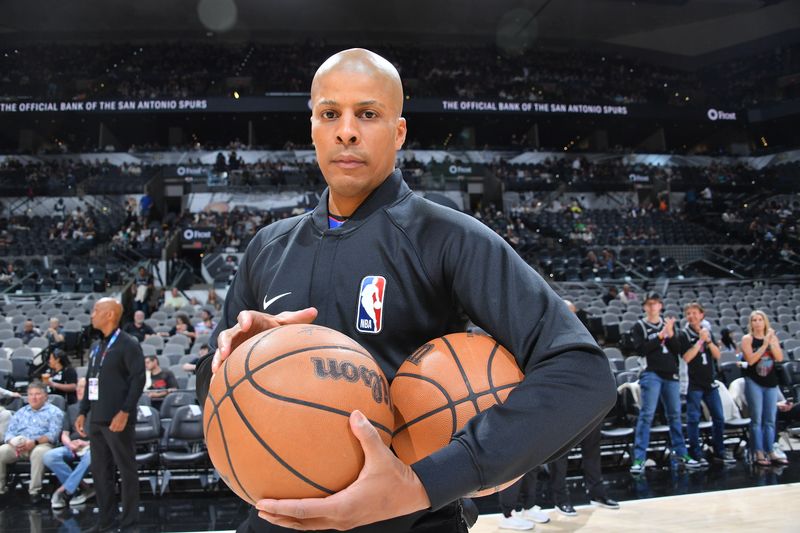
[138,328]
[700,351]
[654,339]
[114,382]
[162,382]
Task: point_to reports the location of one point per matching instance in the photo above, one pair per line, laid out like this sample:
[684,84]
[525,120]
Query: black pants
[449,519]
[110,449]
[592,474]
[520,495]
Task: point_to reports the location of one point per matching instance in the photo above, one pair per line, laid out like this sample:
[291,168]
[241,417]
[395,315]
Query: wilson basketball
[276,417]
[442,385]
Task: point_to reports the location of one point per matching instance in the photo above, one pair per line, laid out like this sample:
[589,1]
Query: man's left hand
[385,488]
[119,422]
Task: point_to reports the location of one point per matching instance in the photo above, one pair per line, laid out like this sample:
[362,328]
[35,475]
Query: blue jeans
[762,404]
[693,412]
[56,460]
[652,388]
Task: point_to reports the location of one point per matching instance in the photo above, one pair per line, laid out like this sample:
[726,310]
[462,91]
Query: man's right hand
[79,423]
[250,323]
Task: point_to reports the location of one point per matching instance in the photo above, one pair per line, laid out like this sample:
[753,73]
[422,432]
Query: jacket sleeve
[568,387]
[134,360]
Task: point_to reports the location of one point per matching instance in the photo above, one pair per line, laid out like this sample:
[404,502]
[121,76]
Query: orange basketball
[442,385]
[276,415]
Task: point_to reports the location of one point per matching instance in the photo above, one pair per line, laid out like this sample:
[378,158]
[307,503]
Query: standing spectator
[74,450]
[162,382]
[32,432]
[145,205]
[143,283]
[761,350]
[138,328]
[175,300]
[55,334]
[62,379]
[29,331]
[654,338]
[114,383]
[700,353]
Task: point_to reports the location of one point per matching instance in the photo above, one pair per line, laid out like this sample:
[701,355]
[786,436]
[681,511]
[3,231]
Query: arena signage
[196,237]
[638,178]
[533,107]
[717,114]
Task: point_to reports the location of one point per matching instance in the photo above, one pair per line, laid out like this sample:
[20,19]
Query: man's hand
[118,422]
[79,423]
[250,323]
[385,488]
[705,335]
[27,446]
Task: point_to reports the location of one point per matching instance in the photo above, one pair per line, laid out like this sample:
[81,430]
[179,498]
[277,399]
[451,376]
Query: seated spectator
[29,331]
[191,366]
[61,379]
[206,325]
[75,451]
[32,432]
[182,326]
[627,295]
[138,328]
[726,339]
[55,334]
[162,382]
[5,414]
[610,295]
[175,300]
[213,300]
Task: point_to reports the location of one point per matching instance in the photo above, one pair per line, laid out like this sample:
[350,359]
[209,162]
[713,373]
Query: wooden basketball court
[774,509]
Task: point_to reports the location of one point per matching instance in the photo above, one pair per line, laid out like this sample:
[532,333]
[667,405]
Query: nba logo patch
[369,318]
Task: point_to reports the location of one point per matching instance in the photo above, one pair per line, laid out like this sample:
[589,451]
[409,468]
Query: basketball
[442,385]
[276,416]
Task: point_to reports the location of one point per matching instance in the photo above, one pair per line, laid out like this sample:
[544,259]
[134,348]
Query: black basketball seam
[225,441]
[451,405]
[489,372]
[248,375]
[463,372]
[273,453]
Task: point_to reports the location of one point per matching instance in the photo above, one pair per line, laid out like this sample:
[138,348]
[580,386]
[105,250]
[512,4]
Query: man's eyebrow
[365,103]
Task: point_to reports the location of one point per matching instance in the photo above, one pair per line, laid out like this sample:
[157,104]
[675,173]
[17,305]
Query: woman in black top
[63,378]
[762,350]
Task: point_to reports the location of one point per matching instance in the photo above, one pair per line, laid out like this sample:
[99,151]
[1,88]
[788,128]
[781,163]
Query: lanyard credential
[105,352]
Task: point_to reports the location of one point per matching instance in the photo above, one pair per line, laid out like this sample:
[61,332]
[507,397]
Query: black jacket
[438,264]
[121,379]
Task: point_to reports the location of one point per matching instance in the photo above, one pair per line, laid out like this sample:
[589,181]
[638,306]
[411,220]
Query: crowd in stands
[200,69]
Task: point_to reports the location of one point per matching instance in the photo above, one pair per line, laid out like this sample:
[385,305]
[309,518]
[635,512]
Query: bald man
[392,270]
[114,382]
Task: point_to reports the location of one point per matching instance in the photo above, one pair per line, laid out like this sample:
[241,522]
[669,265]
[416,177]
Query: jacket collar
[392,189]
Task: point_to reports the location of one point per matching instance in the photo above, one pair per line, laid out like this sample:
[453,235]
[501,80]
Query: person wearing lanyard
[115,380]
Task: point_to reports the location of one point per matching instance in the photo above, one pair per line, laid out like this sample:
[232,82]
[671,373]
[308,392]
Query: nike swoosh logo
[269,302]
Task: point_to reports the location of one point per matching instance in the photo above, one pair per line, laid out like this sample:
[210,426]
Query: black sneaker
[606,502]
[566,509]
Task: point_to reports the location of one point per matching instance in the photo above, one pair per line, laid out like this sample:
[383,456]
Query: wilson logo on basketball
[333,369]
[416,357]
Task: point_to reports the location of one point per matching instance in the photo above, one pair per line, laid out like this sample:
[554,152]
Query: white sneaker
[57,500]
[519,524]
[536,514]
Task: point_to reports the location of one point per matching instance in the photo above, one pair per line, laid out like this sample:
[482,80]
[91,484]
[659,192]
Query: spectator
[175,300]
[143,282]
[138,328]
[206,325]
[32,432]
[55,334]
[61,378]
[762,351]
[74,450]
[654,338]
[627,295]
[518,504]
[29,331]
[701,353]
[213,300]
[162,382]
[183,327]
[191,366]
[610,295]
[727,340]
